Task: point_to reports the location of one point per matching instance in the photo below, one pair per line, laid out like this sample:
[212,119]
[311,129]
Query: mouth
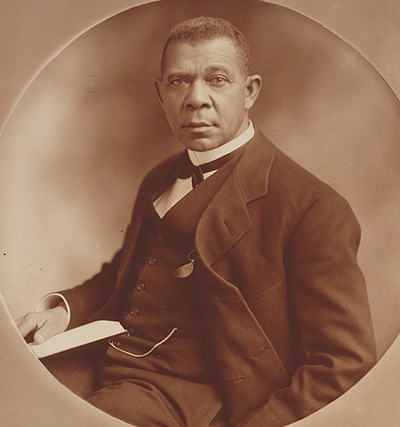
[197,125]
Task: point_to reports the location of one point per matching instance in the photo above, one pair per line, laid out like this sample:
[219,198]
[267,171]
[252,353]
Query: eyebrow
[208,70]
[220,68]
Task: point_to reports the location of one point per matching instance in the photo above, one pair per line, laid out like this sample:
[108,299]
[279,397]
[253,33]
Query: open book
[77,337]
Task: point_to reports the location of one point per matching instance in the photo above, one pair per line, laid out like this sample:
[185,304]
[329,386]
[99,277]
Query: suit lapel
[227,219]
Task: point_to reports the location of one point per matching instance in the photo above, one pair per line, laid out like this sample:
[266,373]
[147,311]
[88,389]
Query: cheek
[173,105]
[232,110]
[171,112]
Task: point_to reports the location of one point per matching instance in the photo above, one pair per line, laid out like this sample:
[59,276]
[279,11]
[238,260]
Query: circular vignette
[275,127]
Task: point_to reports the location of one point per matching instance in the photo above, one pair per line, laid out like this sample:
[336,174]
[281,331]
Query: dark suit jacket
[285,301]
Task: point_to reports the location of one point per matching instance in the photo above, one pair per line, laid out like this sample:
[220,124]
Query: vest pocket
[270,292]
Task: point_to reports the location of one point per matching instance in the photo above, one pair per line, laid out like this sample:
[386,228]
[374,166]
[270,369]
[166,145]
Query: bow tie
[186,169]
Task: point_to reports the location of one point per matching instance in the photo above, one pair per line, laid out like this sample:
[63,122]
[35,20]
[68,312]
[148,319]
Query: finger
[46,331]
[27,324]
[38,337]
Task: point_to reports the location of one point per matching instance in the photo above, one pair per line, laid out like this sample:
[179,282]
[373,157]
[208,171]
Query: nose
[197,96]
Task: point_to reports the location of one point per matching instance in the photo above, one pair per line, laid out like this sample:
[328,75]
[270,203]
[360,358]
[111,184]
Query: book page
[77,337]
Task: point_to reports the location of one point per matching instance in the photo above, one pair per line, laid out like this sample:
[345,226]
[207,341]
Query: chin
[201,144]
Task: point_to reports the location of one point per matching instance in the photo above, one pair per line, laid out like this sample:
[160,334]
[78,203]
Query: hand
[43,324]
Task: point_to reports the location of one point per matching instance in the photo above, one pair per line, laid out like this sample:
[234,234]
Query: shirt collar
[201,157]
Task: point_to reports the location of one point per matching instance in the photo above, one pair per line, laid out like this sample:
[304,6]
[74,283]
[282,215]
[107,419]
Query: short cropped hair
[205,28]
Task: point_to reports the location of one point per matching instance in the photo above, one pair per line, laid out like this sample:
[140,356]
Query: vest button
[134,311]
[140,286]
[160,238]
[152,261]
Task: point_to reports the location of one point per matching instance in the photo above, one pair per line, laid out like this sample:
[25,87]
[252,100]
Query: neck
[200,157]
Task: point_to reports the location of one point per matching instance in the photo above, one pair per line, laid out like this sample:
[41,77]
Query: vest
[162,312]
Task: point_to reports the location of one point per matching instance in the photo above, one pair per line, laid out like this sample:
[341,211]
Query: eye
[218,80]
[178,82]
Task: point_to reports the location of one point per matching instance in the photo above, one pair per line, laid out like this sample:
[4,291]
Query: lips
[195,124]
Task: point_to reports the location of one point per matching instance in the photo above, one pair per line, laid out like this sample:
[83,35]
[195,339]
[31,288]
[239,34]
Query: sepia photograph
[200,203]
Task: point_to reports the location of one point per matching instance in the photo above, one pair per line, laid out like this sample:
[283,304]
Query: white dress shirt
[181,187]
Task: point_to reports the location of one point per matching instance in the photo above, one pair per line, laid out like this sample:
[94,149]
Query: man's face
[204,94]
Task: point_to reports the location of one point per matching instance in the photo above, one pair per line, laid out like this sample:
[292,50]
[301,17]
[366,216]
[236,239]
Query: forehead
[215,53]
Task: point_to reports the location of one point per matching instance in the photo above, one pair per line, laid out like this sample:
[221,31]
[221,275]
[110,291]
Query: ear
[253,87]
[158,86]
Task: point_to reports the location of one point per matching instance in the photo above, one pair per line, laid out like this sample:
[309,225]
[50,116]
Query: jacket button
[134,311]
[160,238]
[152,261]
[131,331]
[140,286]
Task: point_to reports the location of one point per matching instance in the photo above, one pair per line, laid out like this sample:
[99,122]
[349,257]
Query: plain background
[63,214]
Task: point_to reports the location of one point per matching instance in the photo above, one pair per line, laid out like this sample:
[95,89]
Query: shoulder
[287,174]
[294,191]
[285,177]
[157,175]
[291,180]
[155,178]
[165,166]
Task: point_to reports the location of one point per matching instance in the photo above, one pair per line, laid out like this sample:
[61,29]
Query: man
[237,282]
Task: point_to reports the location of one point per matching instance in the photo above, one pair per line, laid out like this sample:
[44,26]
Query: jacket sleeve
[86,299]
[329,311]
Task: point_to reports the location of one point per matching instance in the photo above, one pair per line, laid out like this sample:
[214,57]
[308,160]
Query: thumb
[38,338]
[45,332]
